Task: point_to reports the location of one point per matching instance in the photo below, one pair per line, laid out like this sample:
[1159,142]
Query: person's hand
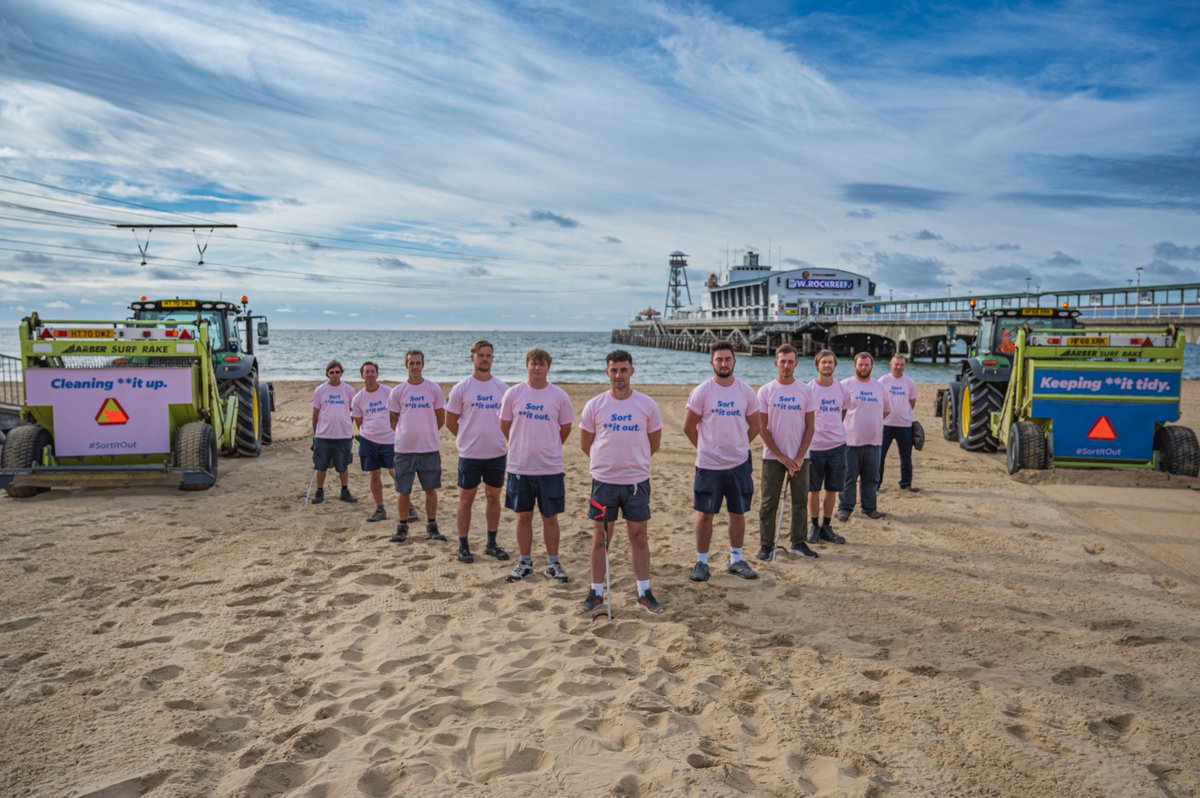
[791,464]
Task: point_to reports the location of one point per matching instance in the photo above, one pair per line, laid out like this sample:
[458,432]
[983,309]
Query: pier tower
[677,282]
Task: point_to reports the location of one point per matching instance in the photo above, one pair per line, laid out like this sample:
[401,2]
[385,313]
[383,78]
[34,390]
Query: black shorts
[735,486]
[548,492]
[828,468]
[632,500]
[471,471]
[334,452]
[374,456]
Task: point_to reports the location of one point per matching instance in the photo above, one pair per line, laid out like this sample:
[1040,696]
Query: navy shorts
[733,485]
[828,468]
[548,492]
[632,500]
[374,456]
[332,452]
[471,471]
[426,465]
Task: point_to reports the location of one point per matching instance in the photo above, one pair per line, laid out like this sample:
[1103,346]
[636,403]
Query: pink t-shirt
[903,391]
[535,437]
[416,428]
[722,442]
[829,432]
[621,449]
[785,406]
[370,409]
[334,404]
[477,404]
[869,402]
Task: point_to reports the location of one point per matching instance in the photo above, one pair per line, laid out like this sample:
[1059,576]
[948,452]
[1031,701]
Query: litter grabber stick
[783,503]
[607,571]
[308,492]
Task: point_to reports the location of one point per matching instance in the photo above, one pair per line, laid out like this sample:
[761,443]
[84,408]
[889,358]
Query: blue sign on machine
[1105,415]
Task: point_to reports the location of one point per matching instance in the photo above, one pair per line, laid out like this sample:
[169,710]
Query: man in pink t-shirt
[785,421]
[416,409]
[869,402]
[827,452]
[898,425]
[369,410]
[333,432]
[619,430]
[721,420]
[536,418]
[473,418]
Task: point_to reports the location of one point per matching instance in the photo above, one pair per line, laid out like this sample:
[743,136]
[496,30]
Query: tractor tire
[196,447]
[1026,447]
[248,436]
[976,403]
[1178,451]
[264,411]
[949,426]
[23,448]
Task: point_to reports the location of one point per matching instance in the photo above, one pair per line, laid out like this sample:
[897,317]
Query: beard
[723,373]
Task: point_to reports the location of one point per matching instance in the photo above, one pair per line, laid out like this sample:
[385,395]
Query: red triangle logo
[111,412]
[1102,430]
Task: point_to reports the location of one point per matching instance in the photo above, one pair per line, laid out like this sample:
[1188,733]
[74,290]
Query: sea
[578,357]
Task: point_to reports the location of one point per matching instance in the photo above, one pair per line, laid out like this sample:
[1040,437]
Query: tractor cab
[998,326]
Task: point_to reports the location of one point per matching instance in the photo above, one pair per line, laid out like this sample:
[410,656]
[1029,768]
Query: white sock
[598,588]
[735,555]
[702,556]
[643,586]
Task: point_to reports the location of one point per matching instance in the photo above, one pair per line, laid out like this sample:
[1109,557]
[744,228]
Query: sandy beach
[992,636]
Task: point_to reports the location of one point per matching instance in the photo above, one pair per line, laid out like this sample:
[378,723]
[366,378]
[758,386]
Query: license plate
[89,334]
[177,303]
[1081,341]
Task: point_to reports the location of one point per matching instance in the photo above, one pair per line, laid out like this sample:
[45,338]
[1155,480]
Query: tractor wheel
[1178,451]
[976,403]
[248,437]
[196,447]
[949,426]
[23,448]
[264,411]
[1026,447]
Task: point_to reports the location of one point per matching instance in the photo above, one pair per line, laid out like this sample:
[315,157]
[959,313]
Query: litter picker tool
[607,571]
[308,492]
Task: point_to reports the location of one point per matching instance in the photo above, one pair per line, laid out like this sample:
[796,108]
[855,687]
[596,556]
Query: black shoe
[380,514]
[766,553]
[801,550]
[401,533]
[412,516]
[827,533]
[699,572]
[497,552]
[742,568]
[814,533]
[876,515]
[345,495]
[465,555]
[843,515]
[910,489]
[431,531]
[319,496]
[648,601]
[593,602]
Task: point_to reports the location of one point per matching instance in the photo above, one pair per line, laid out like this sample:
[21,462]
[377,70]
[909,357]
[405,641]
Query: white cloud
[284,310]
[58,304]
[86,301]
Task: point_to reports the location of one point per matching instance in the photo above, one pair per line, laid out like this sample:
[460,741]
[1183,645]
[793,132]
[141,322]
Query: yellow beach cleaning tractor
[1056,394]
[153,399]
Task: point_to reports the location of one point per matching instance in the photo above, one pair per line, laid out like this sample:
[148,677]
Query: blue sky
[530,165]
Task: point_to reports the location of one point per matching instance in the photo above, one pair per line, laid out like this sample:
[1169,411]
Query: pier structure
[926,328]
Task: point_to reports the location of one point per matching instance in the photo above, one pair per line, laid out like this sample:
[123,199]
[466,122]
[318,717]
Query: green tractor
[231,334]
[967,404]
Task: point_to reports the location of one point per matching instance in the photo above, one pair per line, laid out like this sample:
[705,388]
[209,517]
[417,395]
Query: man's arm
[564,432]
[691,427]
[441,417]
[810,420]
[585,441]
[394,418]
[769,440]
[753,427]
[655,439]
[316,418]
[505,426]
[452,423]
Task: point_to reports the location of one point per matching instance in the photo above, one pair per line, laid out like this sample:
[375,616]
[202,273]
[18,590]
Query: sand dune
[992,636]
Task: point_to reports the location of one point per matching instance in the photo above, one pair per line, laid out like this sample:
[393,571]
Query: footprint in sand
[18,624]
[242,643]
[159,676]
[138,785]
[174,618]
[1069,675]
[1113,727]
[148,641]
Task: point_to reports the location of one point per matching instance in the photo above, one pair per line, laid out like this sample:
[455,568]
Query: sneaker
[814,533]
[319,496]
[766,553]
[592,603]
[431,531]
[555,570]
[380,514]
[699,572]
[876,515]
[742,568]
[827,533]
[497,552]
[843,515]
[801,550]
[465,555]
[910,489]
[519,572]
[648,601]
[401,533]
[345,496]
